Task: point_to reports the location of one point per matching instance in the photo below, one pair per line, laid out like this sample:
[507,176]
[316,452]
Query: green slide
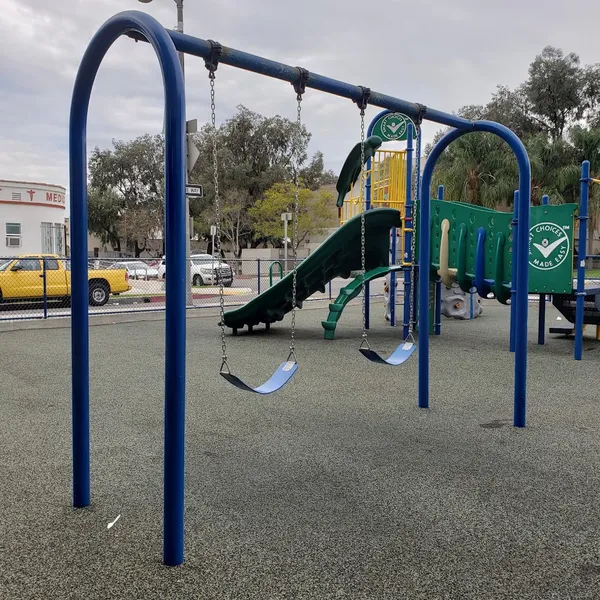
[337,256]
[348,293]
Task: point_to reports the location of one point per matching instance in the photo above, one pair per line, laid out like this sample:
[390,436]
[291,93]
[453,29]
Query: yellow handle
[447,274]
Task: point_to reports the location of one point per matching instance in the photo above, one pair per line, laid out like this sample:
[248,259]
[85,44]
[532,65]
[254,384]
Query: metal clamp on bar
[300,83]
[363,101]
[212,62]
[420,115]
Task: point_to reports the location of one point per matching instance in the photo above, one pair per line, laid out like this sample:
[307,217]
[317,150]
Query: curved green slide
[349,292]
[337,256]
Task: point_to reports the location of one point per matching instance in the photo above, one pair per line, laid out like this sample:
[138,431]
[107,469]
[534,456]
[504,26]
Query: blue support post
[581,256]
[437,326]
[513,276]
[144,27]
[408,235]
[258,273]
[520,392]
[542,306]
[393,280]
[45,285]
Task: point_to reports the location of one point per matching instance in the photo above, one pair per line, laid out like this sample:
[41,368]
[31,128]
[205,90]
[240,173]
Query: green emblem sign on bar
[393,127]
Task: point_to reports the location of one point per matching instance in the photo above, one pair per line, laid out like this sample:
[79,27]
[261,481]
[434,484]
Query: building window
[58,238]
[52,238]
[16,196]
[13,235]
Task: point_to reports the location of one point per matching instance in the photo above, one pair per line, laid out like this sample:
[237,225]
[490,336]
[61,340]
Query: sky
[444,55]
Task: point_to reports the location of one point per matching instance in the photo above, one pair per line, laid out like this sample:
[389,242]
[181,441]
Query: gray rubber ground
[336,487]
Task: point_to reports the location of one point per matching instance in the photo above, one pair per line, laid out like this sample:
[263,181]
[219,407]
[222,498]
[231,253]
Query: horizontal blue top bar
[263,66]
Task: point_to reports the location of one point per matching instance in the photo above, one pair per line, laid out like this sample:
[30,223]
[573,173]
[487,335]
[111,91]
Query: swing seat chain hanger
[300,84]
[363,101]
[212,62]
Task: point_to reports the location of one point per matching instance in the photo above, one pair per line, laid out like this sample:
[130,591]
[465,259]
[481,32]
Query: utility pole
[191,127]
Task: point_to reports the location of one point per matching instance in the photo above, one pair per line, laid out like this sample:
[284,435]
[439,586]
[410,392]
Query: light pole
[285,217]
[188,251]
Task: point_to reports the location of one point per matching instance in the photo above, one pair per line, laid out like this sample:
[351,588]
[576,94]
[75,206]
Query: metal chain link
[295,236]
[365,340]
[416,186]
[224,365]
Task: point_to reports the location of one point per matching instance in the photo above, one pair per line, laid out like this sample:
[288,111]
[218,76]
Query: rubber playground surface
[336,487]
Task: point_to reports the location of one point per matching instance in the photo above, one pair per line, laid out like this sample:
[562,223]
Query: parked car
[205,270]
[22,279]
[137,269]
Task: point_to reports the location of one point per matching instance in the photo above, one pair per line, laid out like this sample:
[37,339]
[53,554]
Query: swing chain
[362,104]
[295,230]
[211,75]
[417,192]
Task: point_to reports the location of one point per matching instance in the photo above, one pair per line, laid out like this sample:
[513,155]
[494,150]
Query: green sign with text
[551,248]
[393,127]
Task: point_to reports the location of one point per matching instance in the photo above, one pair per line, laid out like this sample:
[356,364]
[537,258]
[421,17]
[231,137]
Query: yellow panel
[388,188]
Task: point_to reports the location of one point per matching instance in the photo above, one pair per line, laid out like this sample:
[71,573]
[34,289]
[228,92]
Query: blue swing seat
[283,374]
[400,355]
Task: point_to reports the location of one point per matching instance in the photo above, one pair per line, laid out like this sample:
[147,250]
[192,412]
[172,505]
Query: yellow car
[23,279]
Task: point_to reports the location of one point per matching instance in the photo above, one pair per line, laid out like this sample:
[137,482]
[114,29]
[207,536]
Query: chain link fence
[39,288]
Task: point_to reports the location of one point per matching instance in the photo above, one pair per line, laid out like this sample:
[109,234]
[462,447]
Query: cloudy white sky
[440,53]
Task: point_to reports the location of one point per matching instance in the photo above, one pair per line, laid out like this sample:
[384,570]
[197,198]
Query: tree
[104,208]
[556,90]
[316,212]
[253,153]
[477,168]
[127,191]
[314,176]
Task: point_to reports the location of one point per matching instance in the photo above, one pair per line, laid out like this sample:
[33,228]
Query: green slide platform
[337,256]
[349,292]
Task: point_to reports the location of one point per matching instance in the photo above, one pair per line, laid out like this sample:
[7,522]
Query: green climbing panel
[550,250]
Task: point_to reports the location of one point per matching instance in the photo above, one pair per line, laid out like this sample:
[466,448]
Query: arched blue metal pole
[175,226]
[520,393]
[437,326]
[513,276]
[408,235]
[542,306]
[583,219]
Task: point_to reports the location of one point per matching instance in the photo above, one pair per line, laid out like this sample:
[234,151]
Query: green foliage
[127,192]
[315,212]
[556,114]
[254,153]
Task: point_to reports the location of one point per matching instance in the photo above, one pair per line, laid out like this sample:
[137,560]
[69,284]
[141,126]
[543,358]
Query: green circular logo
[548,246]
[393,127]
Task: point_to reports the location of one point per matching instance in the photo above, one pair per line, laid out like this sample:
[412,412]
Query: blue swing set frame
[166,43]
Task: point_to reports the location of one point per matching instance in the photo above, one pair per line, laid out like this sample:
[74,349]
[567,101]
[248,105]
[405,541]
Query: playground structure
[166,44]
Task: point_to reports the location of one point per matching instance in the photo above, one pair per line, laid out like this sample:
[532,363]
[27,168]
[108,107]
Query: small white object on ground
[113,522]
[559,318]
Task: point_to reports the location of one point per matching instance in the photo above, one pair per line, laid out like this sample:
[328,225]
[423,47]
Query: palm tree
[585,143]
[479,169]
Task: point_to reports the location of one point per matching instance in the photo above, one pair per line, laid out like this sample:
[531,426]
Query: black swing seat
[283,374]
[400,355]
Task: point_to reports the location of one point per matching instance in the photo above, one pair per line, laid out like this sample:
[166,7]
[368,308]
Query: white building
[32,218]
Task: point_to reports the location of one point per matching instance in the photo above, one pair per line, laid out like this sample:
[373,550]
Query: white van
[205,270]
